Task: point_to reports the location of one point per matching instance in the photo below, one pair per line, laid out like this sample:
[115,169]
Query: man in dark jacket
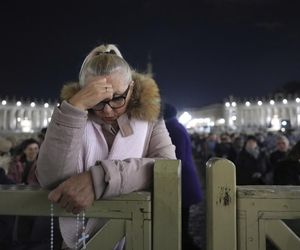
[252,164]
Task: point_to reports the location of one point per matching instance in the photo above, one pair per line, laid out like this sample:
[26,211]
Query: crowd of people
[260,159]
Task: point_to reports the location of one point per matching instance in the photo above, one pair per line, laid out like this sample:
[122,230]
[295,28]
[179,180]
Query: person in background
[210,144]
[103,139]
[29,232]
[41,135]
[191,187]
[6,222]
[252,164]
[282,149]
[287,170]
[224,148]
[22,168]
[5,158]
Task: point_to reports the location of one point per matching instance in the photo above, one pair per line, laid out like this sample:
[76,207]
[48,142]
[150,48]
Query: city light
[46,105]
[259,103]
[3,102]
[233,104]
[26,125]
[227,104]
[275,123]
[32,104]
[284,101]
[221,121]
[272,102]
[297,99]
[185,118]
[18,103]
[247,104]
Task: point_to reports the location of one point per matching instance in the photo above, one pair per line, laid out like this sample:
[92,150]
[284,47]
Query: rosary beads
[79,240]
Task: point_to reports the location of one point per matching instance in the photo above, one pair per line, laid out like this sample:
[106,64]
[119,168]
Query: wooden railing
[243,217]
[147,220]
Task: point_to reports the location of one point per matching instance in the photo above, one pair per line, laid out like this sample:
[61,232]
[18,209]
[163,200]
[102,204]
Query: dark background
[202,51]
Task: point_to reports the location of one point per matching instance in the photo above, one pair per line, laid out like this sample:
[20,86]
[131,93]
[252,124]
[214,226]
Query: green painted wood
[129,239]
[263,209]
[137,230]
[132,214]
[259,209]
[221,205]
[108,236]
[121,208]
[278,232]
[269,192]
[147,235]
[167,205]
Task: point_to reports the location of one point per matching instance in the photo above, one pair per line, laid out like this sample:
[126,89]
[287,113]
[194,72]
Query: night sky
[202,51]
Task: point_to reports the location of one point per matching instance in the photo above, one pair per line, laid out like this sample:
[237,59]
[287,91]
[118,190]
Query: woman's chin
[109,120]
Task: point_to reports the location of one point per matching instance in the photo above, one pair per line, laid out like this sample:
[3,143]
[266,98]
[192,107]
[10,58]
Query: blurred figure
[41,135]
[22,168]
[191,188]
[237,146]
[6,222]
[252,164]
[5,147]
[287,171]
[210,146]
[224,149]
[29,232]
[282,149]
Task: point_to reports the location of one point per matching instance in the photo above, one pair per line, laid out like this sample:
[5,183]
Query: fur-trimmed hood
[145,101]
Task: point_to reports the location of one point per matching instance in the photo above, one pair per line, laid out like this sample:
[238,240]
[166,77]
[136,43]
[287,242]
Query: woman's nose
[107,108]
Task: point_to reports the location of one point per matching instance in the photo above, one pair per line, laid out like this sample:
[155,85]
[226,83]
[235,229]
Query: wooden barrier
[148,221]
[243,217]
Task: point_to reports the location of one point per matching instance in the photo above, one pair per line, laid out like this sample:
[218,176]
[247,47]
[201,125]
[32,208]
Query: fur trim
[68,90]
[145,100]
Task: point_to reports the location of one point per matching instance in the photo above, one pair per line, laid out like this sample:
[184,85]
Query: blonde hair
[104,60]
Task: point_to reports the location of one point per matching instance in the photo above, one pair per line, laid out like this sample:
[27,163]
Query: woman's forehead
[31,145]
[115,79]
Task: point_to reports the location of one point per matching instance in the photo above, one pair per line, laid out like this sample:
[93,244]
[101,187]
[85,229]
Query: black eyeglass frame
[103,103]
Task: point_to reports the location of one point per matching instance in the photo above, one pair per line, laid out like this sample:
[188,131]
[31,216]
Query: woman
[22,168]
[103,139]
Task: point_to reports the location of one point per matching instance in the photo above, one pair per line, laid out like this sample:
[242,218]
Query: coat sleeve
[160,144]
[122,177]
[58,156]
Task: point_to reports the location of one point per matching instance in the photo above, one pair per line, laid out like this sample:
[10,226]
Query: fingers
[75,194]
[55,195]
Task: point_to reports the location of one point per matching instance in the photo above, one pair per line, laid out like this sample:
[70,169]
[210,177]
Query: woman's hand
[75,194]
[93,92]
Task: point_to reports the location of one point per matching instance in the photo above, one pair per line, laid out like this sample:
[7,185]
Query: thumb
[55,194]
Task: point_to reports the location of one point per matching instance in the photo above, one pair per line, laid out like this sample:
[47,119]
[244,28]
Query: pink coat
[76,139]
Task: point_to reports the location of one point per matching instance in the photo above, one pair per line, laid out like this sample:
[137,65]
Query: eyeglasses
[115,103]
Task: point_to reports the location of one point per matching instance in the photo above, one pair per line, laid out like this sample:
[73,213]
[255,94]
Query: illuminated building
[19,116]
